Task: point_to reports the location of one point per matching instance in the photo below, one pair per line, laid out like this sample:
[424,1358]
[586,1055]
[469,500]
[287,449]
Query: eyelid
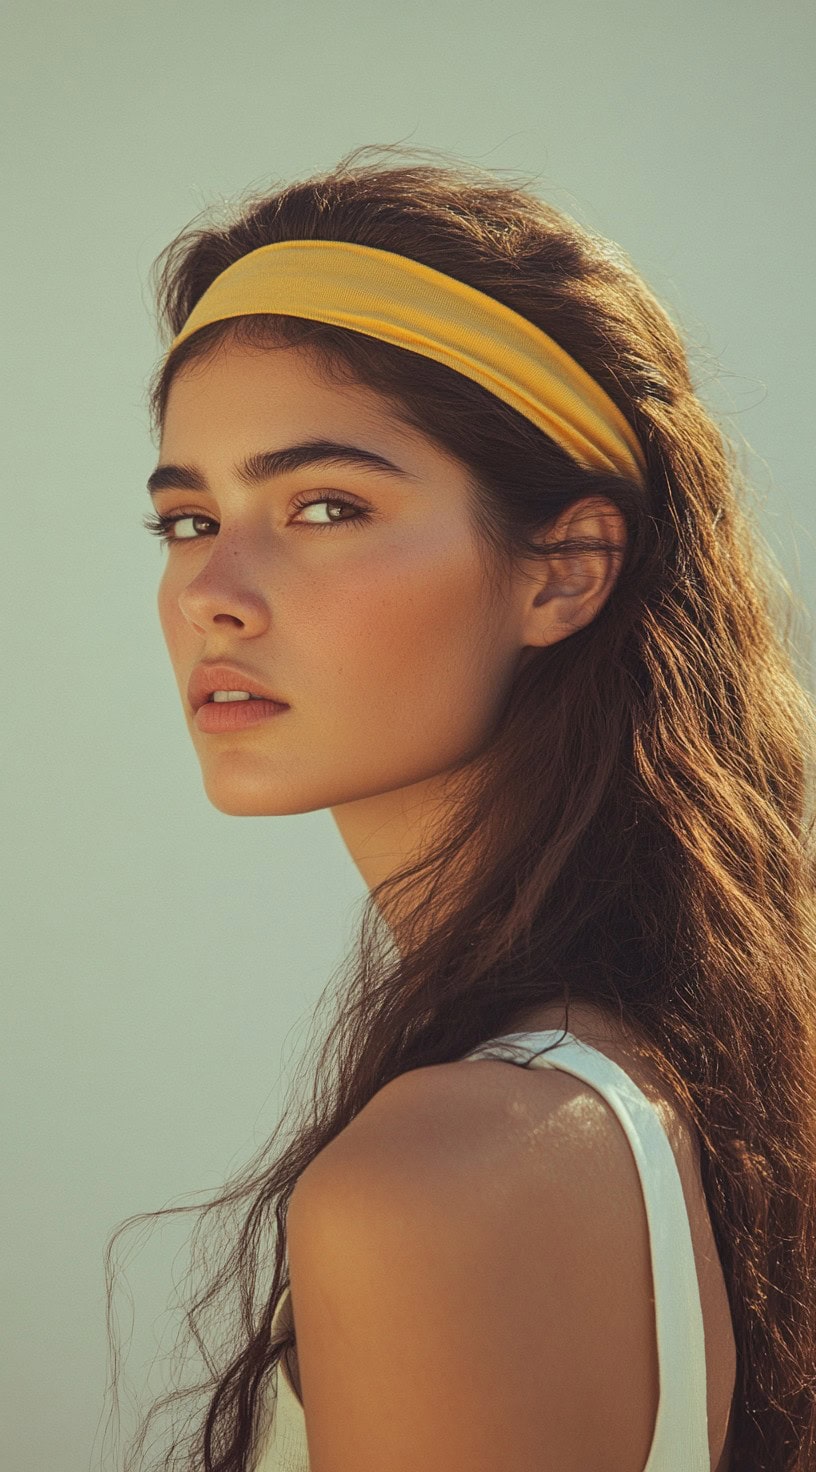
[314,493]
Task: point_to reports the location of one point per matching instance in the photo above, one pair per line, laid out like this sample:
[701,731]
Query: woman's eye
[183,527]
[165,527]
[360,515]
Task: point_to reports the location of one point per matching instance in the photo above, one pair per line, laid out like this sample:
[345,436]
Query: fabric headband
[393,297]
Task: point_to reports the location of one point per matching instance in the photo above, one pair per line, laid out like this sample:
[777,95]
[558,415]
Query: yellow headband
[397,299]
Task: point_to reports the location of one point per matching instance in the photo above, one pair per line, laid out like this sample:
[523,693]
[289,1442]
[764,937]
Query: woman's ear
[565,593]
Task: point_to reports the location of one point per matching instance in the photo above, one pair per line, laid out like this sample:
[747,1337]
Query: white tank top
[680,1442]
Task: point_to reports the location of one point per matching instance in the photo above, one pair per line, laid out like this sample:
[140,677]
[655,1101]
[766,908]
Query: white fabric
[680,1442]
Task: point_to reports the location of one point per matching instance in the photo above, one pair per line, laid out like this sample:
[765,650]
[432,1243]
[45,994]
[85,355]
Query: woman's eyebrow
[266,464]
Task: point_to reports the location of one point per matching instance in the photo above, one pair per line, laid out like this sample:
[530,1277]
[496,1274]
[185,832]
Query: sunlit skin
[392,648]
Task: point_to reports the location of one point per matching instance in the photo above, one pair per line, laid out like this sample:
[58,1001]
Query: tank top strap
[680,1442]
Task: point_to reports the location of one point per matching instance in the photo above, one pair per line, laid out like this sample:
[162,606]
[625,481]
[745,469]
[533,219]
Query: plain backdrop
[163,960]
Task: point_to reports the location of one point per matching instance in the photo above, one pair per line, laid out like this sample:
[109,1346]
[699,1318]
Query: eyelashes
[163,526]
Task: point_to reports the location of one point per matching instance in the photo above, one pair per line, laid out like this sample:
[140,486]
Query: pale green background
[162,960]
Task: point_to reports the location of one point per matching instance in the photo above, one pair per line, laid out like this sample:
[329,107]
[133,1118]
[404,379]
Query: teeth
[232,695]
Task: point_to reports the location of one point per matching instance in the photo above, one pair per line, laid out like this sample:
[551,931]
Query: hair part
[637,832]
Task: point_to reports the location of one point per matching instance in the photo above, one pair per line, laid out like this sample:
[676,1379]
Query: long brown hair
[637,832]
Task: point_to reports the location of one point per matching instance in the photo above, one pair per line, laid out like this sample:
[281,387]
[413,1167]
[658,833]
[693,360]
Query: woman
[455,551]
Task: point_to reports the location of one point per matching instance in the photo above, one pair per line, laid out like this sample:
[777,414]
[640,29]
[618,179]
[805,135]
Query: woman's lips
[234,715]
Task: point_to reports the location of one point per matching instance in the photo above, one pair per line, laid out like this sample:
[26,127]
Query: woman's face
[381,633]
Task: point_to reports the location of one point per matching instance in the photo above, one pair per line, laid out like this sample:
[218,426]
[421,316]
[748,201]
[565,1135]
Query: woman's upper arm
[468,1322]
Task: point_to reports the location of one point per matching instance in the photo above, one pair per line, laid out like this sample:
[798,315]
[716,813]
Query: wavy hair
[637,831]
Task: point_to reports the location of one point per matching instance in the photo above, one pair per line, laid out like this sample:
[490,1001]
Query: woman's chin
[241,795]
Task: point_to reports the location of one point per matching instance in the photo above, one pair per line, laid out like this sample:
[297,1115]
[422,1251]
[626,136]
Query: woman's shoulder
[455,1109]
[484,1189]
[454,1142]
